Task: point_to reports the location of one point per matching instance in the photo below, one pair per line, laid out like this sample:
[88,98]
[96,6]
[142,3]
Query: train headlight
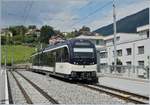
[75,63]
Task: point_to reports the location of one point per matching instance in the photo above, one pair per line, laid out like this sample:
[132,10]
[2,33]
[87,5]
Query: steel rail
[123,91]
[125,97]
[27,98]
[9,90]
[46,95]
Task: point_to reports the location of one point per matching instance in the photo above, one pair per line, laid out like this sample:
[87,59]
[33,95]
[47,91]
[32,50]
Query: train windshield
[83,50]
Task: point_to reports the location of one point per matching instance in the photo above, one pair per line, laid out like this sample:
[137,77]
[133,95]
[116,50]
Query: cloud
[69,15]
[62,14]
[57,13]
[66,16]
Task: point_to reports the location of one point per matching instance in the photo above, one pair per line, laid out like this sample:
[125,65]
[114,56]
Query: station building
[132,48]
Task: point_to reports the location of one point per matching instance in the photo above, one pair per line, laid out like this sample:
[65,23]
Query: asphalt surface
[138,87]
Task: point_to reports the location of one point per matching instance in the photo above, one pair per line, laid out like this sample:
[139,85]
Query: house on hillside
[35,32]
[5,31]
[56,39]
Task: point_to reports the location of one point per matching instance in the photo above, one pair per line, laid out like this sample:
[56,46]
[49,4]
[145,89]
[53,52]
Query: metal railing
[125,71]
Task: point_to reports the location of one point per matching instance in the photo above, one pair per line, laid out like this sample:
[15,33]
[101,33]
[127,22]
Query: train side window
[58,55]
[44,59]
[40,58]
[65,55]
[51,59]
[33,60]
[36,59]
[61,54]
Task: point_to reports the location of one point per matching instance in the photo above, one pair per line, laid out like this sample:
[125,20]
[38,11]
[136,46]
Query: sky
[67,15]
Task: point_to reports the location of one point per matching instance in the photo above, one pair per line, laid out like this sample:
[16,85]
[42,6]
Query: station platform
[138,86]
[3,87]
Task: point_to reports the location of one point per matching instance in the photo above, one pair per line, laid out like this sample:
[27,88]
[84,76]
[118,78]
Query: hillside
[21,53]
[127,24]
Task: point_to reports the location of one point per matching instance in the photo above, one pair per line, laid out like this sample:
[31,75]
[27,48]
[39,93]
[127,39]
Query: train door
[54,59]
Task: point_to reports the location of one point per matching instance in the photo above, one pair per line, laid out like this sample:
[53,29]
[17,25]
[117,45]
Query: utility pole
[12,59]
[0,41]
[98,61]
[0,51]
[6,51]
[114,28]
[148,68]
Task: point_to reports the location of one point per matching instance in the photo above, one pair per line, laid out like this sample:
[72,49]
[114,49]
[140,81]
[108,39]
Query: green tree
[46,33]
[3,40]
[84,28]
[32,27]
[18,30]
[13,30]
[70,35]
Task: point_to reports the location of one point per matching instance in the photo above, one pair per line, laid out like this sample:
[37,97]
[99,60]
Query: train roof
[66,42]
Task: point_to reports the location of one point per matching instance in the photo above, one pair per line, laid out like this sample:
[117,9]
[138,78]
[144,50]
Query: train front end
[84,60]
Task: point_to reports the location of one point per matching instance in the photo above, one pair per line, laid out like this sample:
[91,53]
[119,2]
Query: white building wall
[124,41]
[134,57]
[144,57]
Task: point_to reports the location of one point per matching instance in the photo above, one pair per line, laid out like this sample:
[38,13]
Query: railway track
[26,96]
[24,92]
[127,96]
[9,90]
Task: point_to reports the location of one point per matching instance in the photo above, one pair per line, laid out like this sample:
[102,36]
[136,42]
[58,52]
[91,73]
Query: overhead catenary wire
[25,13]
[28,11]
[92,13]
[88,4]
[98,10]
[81,8]
[25,18]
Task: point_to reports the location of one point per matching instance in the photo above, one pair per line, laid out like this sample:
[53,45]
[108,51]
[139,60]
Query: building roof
[89,37]
[108,37]
[118,35]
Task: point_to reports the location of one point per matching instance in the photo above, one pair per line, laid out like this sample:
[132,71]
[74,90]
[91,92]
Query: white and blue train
[73,59]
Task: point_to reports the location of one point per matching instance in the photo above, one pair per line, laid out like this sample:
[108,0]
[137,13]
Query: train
[73,59]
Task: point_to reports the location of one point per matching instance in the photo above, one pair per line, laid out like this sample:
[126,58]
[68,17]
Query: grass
[21,53]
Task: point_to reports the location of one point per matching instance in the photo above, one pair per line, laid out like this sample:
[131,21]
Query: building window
[118,38]
[129,51]
[141,63]
[97,42]
[129,63]
[103,54]
[141,50]
[119,52]
[103,65]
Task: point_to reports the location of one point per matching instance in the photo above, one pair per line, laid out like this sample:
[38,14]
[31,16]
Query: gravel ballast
[68,93]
